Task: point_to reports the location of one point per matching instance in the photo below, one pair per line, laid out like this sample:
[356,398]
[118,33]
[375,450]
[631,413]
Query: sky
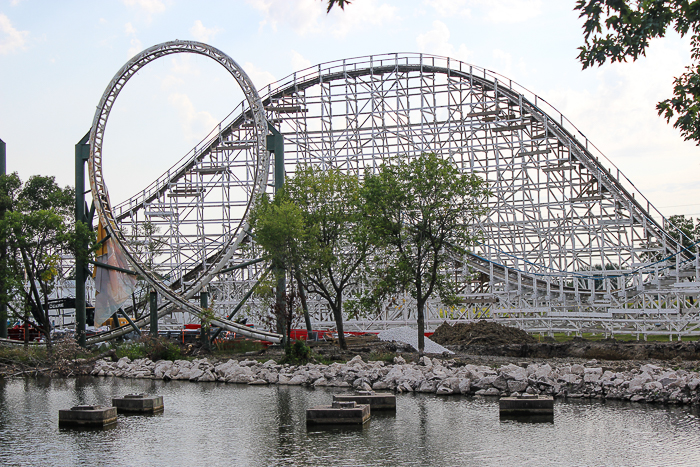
[57,58]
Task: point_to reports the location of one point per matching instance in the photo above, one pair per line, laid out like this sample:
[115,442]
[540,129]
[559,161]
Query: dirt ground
[480,333]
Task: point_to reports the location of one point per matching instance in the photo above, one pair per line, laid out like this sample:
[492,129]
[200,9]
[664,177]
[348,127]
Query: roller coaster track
[557,212]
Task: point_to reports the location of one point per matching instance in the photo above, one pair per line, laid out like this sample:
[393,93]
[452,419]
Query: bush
[133,350]
[297,353]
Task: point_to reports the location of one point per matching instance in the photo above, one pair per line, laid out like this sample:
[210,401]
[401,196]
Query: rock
[636,398]
[577,369]
[488,392]
[399,360]
[464,385]
[500,383]
[517,386]
[444,390]
[195,373]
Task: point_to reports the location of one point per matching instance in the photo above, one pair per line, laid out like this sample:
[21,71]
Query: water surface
[217,424]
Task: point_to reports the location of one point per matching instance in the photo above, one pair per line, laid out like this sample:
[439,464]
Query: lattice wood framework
[569,243]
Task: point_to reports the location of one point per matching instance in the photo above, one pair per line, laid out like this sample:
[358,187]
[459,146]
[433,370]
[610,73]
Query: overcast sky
[57,58]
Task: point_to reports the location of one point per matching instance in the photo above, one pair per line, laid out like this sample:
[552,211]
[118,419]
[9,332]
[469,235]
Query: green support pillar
[275,144]
[204,330]
[82,153]
[153,300]
[3,247]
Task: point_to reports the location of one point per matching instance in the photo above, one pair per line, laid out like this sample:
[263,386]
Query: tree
[421,212]
[278,227]
[616,30]
[336,241]
[37,229]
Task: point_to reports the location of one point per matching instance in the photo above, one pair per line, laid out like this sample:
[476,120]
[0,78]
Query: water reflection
[219,424]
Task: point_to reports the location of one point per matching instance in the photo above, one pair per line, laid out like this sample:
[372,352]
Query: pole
[154,313]
[82,153]
[3,248]
[275,144]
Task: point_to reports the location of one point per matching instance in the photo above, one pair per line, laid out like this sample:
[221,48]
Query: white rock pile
[647,383]
[410,336]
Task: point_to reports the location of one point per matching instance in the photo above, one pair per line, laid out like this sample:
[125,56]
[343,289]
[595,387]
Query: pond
[224,424]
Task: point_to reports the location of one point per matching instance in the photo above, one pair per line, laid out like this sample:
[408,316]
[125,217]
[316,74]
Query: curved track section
[234,234]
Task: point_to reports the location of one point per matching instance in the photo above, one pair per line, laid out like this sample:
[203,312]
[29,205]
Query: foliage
[336,240]
[688,231]
[278,227]
[298,353]
[37,228]
[132,350]
[160,348]
[340,3]
[616,30]
[423,213]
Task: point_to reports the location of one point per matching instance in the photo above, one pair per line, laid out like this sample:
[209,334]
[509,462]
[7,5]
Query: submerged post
[82,153]
[153,299]
[275,144]
[3,248]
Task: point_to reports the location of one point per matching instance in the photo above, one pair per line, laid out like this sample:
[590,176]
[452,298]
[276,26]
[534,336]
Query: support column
[82,153]
[3,248]
[275,144]
[153,300]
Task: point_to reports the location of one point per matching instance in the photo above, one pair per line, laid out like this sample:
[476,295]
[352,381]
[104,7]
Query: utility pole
[82,153]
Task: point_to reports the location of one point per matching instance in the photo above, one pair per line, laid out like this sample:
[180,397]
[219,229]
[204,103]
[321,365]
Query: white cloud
[194,124]
[507,11]
[299,62]
[182,64]
[301,15]
[147,6]
[129,29]
[201,33]
[259,77]
[309,16]
[135,48]
[11,40]
[620,118]
[437,42]
[450,8]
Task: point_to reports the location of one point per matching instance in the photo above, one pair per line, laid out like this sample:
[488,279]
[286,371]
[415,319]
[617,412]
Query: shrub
[297,353]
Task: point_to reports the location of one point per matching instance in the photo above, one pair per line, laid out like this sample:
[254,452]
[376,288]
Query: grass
[376,356]
[595,337]
[237,346]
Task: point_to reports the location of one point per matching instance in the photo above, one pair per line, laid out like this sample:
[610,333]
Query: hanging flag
[114,288]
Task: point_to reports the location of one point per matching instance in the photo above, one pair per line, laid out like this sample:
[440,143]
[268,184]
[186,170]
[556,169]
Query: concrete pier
[87,416]
[375,400]
[339,413]
[525,405]
[138,403]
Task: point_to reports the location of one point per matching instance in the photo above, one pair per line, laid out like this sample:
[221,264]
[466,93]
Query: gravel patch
[410,336]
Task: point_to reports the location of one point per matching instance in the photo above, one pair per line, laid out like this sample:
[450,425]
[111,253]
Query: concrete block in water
[527,404]
[339,413]
[138,403]
[375,400]
[88,416]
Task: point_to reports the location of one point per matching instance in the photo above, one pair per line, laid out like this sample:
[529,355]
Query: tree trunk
[421,327]
[338,316]
[304,306]
[281,306]
[47,324]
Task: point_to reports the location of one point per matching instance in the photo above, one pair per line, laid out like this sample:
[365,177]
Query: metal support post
[3,247]
[204,330]
[153,300]
[275,144]
[82,153]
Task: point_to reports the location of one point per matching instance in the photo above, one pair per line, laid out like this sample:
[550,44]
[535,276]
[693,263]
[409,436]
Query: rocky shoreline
[644,382]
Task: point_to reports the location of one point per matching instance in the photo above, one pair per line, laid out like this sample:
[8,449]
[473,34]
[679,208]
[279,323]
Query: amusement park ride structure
[569,244]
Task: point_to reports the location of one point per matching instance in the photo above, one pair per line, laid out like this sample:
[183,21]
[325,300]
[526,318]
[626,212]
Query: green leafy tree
[618,30]
[336,243]
[36,226]
[422,211]
[278,227]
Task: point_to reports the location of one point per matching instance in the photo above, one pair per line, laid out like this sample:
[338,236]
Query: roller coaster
[569,243]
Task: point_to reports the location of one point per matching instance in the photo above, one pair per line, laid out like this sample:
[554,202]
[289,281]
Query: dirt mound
[480,333]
